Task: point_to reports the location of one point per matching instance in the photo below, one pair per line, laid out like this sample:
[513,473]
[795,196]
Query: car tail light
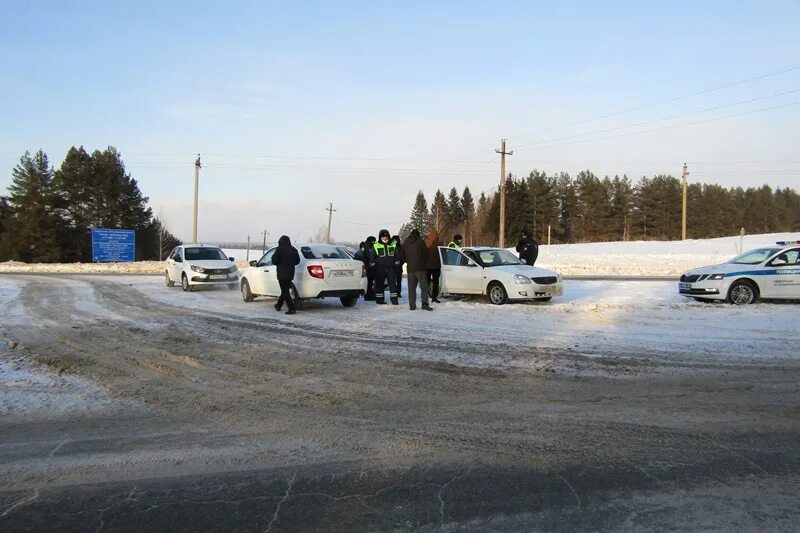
[363,271]
[316,271]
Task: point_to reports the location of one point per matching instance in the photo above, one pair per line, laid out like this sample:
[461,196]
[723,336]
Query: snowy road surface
[621,406]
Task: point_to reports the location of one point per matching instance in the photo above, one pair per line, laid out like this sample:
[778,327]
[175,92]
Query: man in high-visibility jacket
[384,257]
[456,242]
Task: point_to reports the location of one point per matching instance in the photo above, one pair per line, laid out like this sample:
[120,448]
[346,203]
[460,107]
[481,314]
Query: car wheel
[185,284]
[497,293]
[349,301]
[170,283]
[247,296]
[295,297]
[742,292]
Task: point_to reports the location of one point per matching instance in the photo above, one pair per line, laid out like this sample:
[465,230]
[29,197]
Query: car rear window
[323,251]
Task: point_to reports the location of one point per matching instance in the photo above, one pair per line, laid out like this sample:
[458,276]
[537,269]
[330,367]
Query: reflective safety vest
[383,250]
[453,245]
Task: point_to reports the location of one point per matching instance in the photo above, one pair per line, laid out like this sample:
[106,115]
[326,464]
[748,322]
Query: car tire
[247,295]
[298,303]
[497,293]
[185,284]
[742,292]
[349,301]
[170,283]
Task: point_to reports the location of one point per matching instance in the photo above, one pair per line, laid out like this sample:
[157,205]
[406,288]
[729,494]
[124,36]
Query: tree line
[48,214]
[587,208]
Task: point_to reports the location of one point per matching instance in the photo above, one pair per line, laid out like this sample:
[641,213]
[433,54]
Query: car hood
[213,263]
[524,270]
[723,268]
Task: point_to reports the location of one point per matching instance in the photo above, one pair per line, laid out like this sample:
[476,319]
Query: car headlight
[198,269]
[521,280]
[716,276]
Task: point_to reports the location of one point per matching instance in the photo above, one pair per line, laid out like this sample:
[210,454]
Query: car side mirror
[253,263]
[231,259]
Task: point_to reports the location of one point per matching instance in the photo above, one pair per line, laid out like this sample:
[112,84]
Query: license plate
[684,286]
[342,274]
[218,276]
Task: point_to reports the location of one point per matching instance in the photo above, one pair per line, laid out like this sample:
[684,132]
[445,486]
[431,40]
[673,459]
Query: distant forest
[48,214]
[587,208]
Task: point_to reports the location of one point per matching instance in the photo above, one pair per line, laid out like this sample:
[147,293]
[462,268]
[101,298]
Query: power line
[675,126]
[700,111]
[668,100]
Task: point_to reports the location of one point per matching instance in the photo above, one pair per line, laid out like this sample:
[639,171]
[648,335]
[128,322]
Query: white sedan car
[771,273]
[195,264]
[324,271]
[497,273]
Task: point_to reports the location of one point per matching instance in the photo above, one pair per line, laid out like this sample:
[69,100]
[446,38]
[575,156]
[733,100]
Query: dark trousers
[370,295]
[433,281]
[382,275]
[398,276]
[414,278]
[286,296]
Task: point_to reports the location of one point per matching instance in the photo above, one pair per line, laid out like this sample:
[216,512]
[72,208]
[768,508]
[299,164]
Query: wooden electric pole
[683,218]
[196,189]
[330,211]
[503,154]
[264,245]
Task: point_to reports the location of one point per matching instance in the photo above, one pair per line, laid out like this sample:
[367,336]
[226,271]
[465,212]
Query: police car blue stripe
[783,271]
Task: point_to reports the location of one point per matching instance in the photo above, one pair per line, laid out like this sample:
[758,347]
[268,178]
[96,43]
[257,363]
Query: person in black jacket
[398,269]
[369,296]
[285,259]
[384,258]
[415,253]
[528,248]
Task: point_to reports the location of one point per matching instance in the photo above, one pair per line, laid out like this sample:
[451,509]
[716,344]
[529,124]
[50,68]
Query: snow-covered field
[647,258]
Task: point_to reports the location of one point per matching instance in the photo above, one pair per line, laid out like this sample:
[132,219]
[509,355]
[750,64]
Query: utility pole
[503,154]
[196,187]
[683,220]
[330,211]
[264,245]
[248,249]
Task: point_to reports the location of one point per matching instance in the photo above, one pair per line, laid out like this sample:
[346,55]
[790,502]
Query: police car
[768,273]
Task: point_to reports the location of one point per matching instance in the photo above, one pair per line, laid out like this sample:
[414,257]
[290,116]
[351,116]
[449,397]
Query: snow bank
[646,258]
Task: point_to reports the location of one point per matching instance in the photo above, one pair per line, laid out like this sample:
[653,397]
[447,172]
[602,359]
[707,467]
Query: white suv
[195,264]
[325,270]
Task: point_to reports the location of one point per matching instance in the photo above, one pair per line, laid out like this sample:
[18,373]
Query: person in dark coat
[384,258]
[285,259]
[415,253]
[433,264]
[398,271]
[369,296]
[528,248]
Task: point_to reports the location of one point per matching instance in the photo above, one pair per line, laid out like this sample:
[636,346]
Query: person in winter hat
[384,258]
[528,248]
[416,254]
[398,270]
[285,259]
[456,242]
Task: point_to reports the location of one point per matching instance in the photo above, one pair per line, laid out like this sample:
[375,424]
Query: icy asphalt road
[619,406]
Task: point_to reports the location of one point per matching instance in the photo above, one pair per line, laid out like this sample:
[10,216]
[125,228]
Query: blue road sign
[113,245]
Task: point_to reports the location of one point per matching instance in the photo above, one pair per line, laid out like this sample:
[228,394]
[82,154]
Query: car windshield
[498,257]
[204,254]
[323,251]
[754,257]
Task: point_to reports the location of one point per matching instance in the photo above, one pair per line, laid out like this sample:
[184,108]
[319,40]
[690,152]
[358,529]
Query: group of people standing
[384,258]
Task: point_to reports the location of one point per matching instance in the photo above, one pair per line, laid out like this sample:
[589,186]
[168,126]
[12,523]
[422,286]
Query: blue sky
[294,105]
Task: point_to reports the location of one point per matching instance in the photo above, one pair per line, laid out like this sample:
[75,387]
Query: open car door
[460,274]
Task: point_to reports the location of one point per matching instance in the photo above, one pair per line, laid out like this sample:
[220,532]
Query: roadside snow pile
[28,391]
[632,258]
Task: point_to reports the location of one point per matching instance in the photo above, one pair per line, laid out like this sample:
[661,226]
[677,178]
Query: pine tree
[438,218]
[468,211]
[620,209]
[34,224]
[6,250]
[455,217]
[74,186]
[419,214]
[567,207]
[544,199]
